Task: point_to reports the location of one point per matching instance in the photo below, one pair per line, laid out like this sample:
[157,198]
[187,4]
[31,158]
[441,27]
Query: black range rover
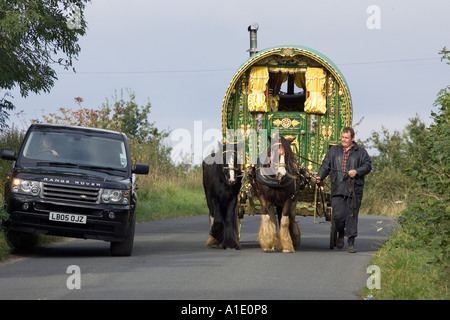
[73,182]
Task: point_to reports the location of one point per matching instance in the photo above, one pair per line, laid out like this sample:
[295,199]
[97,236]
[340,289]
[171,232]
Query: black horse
[277,182]
[222,181]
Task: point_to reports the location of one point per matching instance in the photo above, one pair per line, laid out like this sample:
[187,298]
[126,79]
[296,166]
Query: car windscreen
[75,149]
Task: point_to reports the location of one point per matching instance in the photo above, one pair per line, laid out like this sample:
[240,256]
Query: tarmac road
[170,261]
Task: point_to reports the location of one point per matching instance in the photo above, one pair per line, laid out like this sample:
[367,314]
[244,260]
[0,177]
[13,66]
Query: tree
[122,115]
[34,36]
[416,137]
[445,55]
[128,117]
[435,175]
[390,147]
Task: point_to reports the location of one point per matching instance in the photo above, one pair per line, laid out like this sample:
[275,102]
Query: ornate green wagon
[297,92]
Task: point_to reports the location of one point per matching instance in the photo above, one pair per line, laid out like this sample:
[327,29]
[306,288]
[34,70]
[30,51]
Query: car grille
[70,192]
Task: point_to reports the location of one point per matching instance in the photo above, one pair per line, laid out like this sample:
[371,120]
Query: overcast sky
[180,55]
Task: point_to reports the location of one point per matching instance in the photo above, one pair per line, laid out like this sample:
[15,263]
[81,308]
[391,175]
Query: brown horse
[277,182]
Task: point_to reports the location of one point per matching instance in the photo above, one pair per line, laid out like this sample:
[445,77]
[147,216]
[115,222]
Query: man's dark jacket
[358,160]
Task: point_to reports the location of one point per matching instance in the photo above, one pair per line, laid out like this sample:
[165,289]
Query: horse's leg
[285,235]
[211,242]
[294,229]
[230,230]
[275,222]
[267,235]
[216,226]
[279,213]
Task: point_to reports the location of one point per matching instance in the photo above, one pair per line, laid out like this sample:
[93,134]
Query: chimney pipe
[253,29]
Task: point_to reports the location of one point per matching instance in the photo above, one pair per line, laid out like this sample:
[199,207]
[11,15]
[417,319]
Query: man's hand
[352,173]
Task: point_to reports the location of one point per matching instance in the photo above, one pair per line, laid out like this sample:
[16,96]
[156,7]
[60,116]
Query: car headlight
[113,196]
[25,186]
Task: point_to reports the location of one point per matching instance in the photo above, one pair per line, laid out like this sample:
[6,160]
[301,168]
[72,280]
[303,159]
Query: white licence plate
[67,217]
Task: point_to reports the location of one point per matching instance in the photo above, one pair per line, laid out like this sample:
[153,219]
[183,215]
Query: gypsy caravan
[294,92]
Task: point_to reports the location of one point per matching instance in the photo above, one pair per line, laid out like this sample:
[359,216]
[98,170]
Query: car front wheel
[124,248]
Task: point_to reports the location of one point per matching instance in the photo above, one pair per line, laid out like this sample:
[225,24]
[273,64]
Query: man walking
[347,163]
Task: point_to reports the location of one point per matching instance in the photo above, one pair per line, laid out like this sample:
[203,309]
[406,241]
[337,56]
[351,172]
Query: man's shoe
[351,248]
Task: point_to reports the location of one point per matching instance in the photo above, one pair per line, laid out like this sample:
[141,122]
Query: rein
[293,172]
[351,185]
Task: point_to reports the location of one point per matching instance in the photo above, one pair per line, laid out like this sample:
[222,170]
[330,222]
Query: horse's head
[231,168]
[280,155]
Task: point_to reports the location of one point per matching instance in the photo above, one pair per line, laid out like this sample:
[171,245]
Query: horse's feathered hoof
[267,236]
[212,242]
[286,244]
[231,246]
[234,248]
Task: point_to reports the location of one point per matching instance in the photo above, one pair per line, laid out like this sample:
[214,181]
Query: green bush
[415,261]
[387,191]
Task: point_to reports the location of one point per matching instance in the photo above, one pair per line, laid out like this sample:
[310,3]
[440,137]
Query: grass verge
[5,249]
[169,200]
[409,273]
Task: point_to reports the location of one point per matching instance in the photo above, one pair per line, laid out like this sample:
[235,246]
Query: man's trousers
[345,215]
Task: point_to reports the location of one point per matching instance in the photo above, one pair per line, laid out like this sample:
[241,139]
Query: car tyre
[124,248]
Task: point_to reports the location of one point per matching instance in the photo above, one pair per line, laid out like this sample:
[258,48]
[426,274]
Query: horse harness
[296,177]
[226,165]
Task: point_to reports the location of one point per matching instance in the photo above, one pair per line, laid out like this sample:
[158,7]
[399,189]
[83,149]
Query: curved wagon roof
[288,51]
